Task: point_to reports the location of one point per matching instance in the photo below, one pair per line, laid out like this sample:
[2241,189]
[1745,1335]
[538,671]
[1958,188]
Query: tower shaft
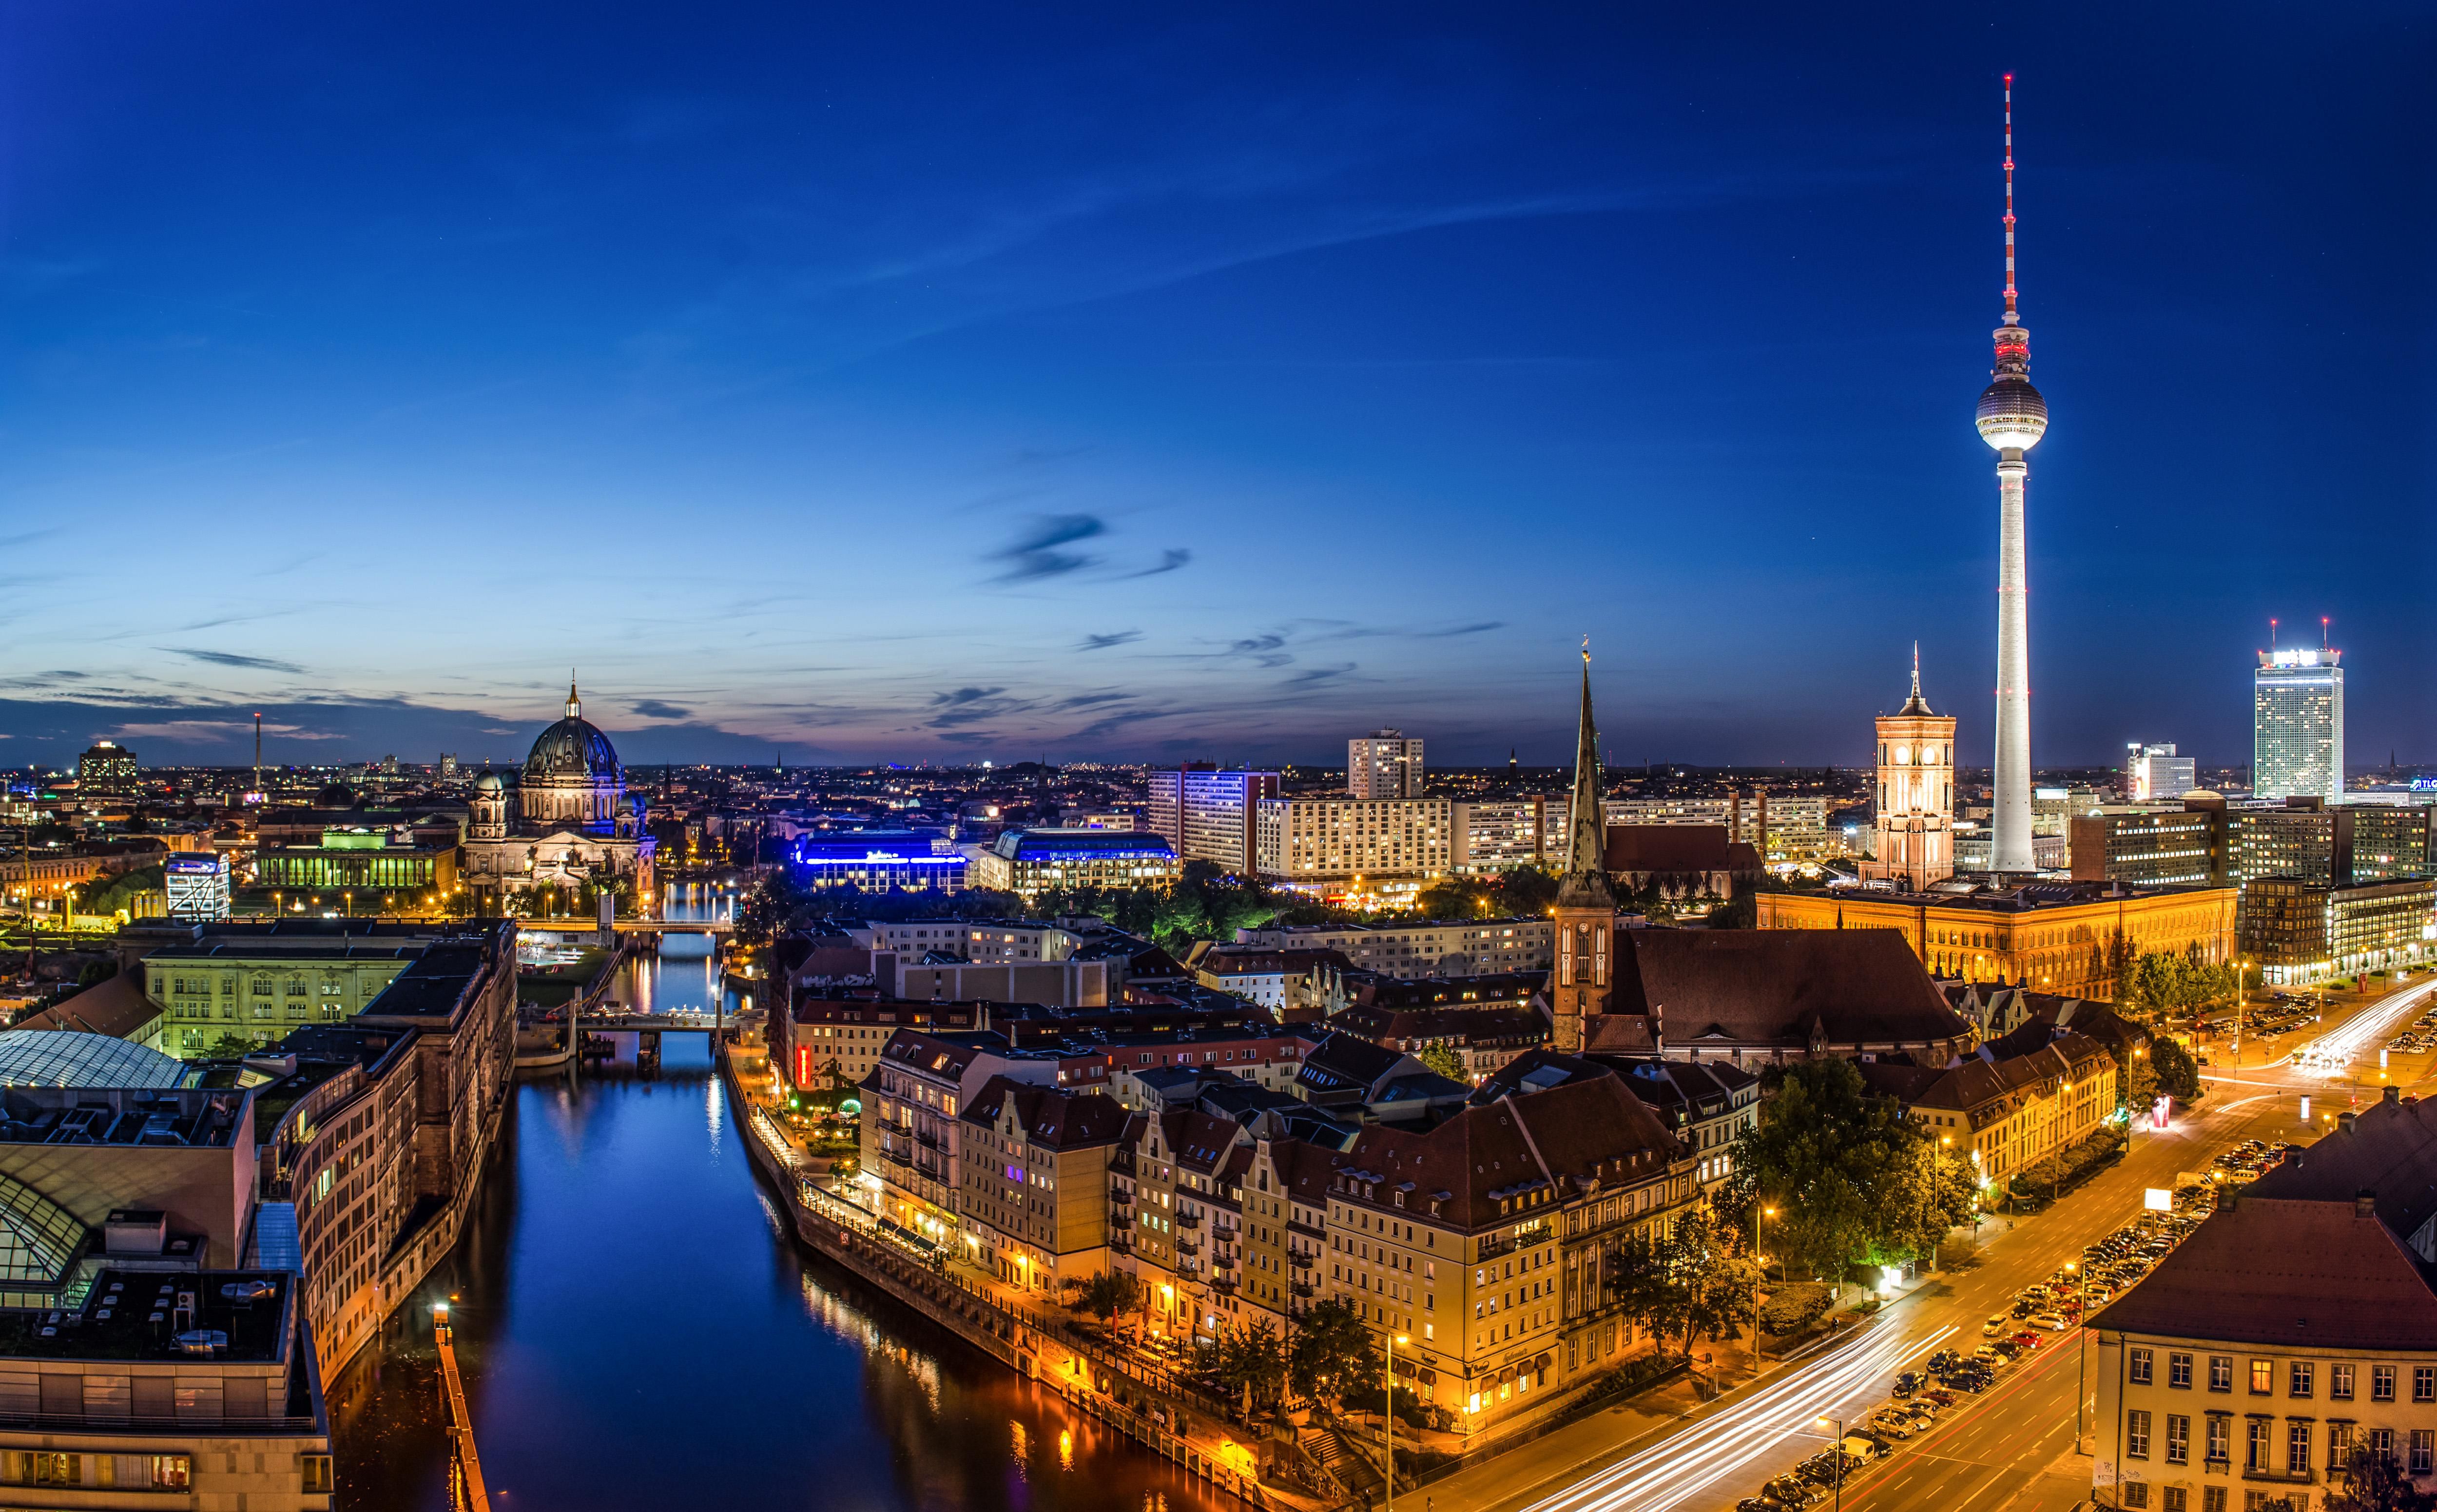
[2011,830]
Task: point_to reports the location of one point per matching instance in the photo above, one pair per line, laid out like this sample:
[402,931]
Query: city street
[2012,1449]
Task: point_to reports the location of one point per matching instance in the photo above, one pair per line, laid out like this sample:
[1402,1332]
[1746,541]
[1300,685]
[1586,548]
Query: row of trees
[1849,1178]
[2170,983]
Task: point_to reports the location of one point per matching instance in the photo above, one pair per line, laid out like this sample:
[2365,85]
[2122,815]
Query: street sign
[2158,1200]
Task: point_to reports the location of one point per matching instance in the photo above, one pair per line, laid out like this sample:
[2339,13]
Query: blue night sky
[944,383]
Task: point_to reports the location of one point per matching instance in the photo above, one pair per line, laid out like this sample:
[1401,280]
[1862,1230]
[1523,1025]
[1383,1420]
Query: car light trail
[2330,1053]
[1680,1467]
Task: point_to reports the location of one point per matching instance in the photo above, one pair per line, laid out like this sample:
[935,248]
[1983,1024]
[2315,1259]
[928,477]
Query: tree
[2178,1076]
[1110,1294]
[1525,891]
[2136,1079]
[1250,1362]
[1687,1279]
[2374,1483]
[1451,900]
[1447,1061]
[1332,1351]
[1850,1176]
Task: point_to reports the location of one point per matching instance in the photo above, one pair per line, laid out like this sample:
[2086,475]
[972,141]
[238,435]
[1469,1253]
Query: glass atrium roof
[66,1057]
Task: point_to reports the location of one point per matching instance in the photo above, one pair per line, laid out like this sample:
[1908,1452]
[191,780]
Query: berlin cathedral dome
[572,776]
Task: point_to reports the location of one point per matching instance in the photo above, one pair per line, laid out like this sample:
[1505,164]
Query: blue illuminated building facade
[1030,862]
[875,860]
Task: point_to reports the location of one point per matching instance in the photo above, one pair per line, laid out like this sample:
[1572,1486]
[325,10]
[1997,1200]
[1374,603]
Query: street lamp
[1839,1424]
[1388,1431]
[1759,1212]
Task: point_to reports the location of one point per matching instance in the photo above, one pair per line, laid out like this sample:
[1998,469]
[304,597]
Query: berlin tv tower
[2012,417]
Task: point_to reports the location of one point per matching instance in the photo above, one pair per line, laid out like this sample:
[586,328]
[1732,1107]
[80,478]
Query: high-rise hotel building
[1384,764]
[2297,741]
[1207,814]
[1354,846]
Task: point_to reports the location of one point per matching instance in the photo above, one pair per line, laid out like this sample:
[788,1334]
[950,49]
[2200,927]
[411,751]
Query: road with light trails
[1683,1466]
[2009,1450]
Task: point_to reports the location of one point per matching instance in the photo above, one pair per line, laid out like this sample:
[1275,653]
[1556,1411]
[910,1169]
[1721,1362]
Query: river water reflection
[638,1331]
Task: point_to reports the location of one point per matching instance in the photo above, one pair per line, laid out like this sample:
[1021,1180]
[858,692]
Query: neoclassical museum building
[566,821]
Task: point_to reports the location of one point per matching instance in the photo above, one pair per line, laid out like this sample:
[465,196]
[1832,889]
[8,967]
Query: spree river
[637,1330]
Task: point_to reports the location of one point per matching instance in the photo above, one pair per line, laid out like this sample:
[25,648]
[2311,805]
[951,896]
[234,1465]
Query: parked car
[1908,1382]
[1995,1325]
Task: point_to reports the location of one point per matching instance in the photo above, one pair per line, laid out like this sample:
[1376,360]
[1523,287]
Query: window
[2179,1371]
[2218,1426]
[2139,1367]
[2424,1383]
[2297,1447]
[2136,1493]
[2340,1383]
[2254,1448]
[2136,1433]
[2382,1384]
[2213,1499]
[2220,1372]
[2298,1379]
[2179,1438]
[2175,1499]
[2424,1450]
[318,1477]
[2263,1377]
[174,1472]
[2381,1441]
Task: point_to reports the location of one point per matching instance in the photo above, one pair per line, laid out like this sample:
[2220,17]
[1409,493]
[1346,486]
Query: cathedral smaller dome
[490,782]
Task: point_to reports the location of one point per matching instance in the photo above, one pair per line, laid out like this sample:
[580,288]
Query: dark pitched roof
[1583,1132]
[2301,1275]
[1772,986]
[2389,1149]
[1677,847]
[1049,1118]
[116,1008]
[1986,1082]
[1347,1062]
[1464,1026]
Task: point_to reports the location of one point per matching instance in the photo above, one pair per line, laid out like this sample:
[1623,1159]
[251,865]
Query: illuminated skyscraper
[2012,417]
[2297,728]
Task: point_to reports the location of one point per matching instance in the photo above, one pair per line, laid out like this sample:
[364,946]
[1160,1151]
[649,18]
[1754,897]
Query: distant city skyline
[879,389]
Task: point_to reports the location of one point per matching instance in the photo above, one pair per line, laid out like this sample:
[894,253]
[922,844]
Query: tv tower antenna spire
[2010,317]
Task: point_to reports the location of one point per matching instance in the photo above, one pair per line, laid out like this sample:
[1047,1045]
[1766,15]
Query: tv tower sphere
[2012,414]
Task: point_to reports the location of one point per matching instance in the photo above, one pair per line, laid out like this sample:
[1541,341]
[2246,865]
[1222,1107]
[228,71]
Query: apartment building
[1035,1178]
[1492,835]
[2012,1103]
[258,981]
[1343,846]
[1780,826]
[1482,1040]
[2219,1378]
[1465,947]
[376,1163]
[821,1038]
[912,1124]
[1295,985]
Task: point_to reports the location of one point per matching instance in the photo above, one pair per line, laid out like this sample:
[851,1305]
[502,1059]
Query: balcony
[2300,1477]
[1187,1246]
[1297,1259]
[1302,1289]
[1188,1220]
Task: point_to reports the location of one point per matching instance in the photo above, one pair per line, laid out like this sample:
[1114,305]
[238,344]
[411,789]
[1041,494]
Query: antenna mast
[2009,200]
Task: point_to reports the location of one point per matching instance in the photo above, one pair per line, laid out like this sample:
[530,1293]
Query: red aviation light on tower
[2012,415]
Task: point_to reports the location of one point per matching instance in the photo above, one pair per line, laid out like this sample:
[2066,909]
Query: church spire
[574,705]
[1585,884]
[1915,704]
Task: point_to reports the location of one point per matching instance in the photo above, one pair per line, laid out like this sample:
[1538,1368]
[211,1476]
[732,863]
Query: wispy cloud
[1102,643]
[1268,650]
[1037,554]
[1169,560]
[655,708]
[230,659]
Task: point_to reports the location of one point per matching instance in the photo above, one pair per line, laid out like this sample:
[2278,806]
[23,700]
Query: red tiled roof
[1769,986]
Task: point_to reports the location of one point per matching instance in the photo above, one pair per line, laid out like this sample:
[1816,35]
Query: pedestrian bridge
[673,926]
[651,1023]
